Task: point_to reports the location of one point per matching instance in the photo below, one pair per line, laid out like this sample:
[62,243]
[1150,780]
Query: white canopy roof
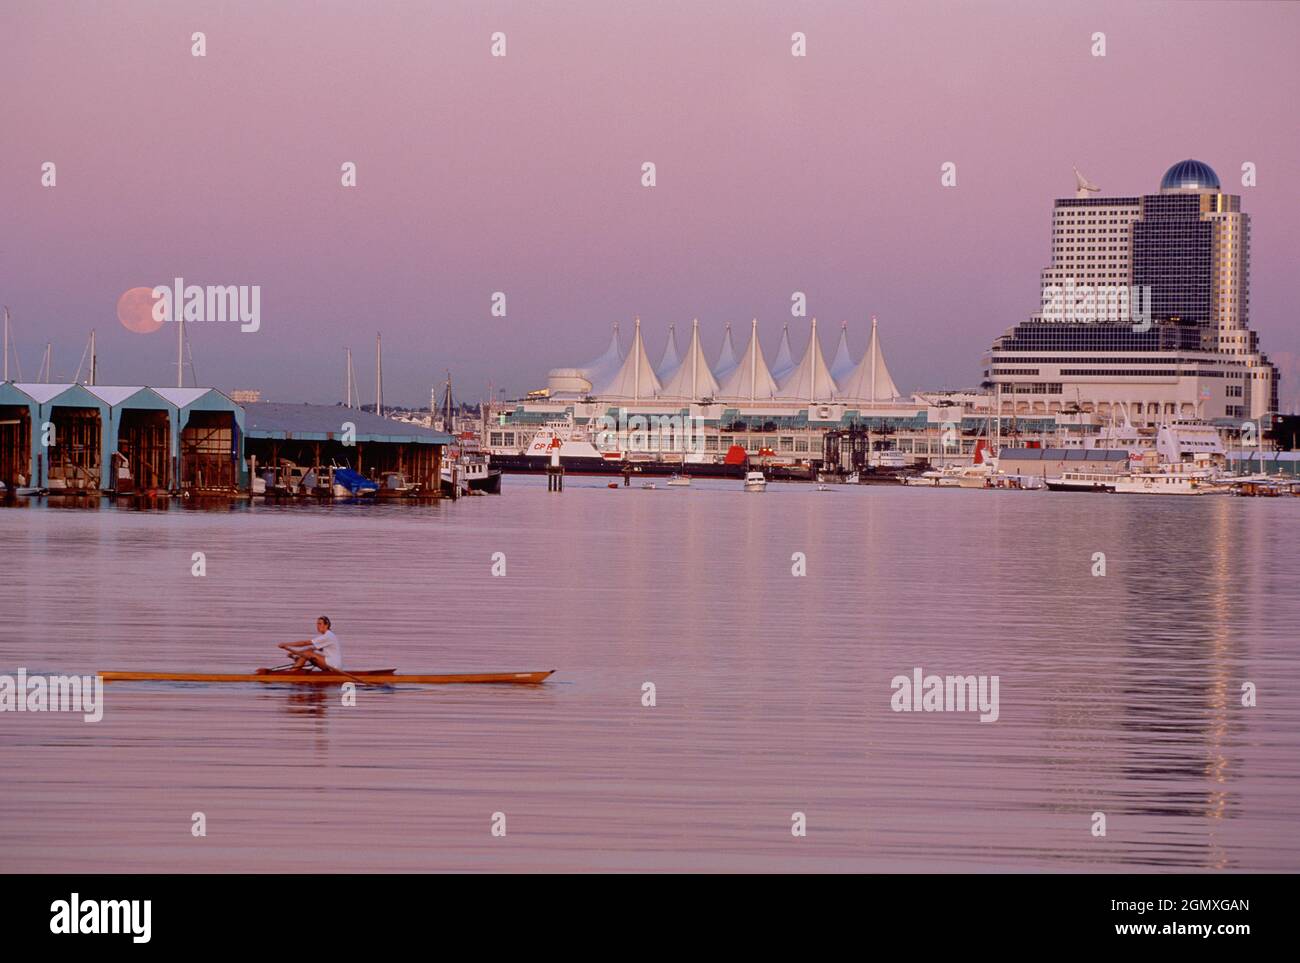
[607,365]
[870,380]
[693,379]
[843,362]
[670,361]
[727,359]
[635,378]
[750,380]
[811,380]
[784,362]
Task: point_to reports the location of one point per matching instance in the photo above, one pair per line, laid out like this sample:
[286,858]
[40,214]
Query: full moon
[135,311]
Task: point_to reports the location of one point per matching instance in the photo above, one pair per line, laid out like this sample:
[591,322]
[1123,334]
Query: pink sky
[522,174]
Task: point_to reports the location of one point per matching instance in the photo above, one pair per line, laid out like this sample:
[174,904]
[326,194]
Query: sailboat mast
[6,377]
[180,351]
[379,376]
[347,374]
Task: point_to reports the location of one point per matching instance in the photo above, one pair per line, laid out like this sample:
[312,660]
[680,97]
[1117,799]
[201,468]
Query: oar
[333,671]
[349,675]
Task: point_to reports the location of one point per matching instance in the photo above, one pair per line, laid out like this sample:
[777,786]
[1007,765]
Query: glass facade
[1173,254]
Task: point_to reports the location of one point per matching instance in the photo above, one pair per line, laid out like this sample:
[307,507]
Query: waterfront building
[1143,321]
[1144,316]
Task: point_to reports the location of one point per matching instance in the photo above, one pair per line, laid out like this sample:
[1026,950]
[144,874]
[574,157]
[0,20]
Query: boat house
[76,438]
[322,435]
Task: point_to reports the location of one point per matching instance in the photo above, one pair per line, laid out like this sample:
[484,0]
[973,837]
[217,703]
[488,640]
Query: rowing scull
[374,676]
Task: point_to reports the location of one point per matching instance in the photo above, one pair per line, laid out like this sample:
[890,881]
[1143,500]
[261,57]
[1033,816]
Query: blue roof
[280,422]
[1189,174]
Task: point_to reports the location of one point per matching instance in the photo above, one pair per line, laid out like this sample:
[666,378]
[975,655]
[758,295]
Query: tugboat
[467,465]
[475,472]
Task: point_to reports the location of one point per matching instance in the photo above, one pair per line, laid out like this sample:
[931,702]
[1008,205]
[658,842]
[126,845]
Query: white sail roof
[606,366]
[784,362]
[693,379]
[843,361]
[727,359]
[811,380]
[870,380]
[668,364]
[750,380]
[635,378]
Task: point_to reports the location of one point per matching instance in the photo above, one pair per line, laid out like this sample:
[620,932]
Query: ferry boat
[1169,483]
[1083,481]
[1169,480]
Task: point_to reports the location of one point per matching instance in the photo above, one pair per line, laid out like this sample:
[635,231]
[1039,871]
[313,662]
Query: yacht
[755,482]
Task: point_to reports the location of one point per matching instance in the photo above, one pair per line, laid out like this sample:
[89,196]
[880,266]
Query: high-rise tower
[1145,312]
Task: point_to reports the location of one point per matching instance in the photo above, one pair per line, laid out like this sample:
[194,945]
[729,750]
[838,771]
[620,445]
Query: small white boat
[648,485]
[823,488]
[679,481]
[935,478]
[755,482]
[852,478]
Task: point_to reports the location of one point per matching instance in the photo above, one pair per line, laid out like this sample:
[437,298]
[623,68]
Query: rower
[324,651]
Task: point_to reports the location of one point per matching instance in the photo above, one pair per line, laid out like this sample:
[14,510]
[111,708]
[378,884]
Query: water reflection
[1120,694]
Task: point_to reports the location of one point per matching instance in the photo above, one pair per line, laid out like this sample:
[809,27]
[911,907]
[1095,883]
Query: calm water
[1119,694]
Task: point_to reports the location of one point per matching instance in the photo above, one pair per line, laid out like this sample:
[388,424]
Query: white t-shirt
[328,646]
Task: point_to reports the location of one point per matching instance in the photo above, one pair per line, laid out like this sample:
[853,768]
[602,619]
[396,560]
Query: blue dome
[1190,175]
